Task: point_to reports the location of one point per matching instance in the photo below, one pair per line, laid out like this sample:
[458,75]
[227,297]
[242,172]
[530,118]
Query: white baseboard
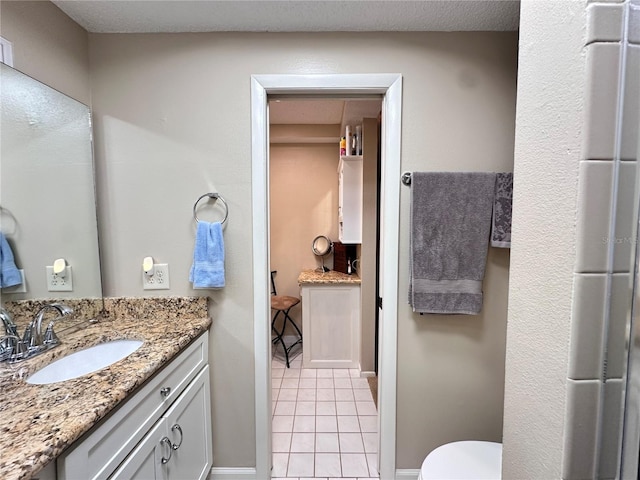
[367,374]
[406,474]
[241,473]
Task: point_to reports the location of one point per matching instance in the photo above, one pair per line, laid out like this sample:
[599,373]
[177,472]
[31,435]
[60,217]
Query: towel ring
[5,212]
[214,196]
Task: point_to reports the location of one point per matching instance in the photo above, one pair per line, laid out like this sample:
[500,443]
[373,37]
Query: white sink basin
[84,361]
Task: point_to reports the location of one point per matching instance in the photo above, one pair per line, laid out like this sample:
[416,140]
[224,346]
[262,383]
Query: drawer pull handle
[165,391]
[179,429]
[168,442]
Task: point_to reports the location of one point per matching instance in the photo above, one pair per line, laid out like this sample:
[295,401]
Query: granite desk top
[38,422]
[331,277]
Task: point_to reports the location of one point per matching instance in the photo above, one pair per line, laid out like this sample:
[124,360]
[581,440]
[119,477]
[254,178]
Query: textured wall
[172,121]
[551,92]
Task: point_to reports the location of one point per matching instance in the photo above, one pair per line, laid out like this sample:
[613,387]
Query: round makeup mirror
[321,247]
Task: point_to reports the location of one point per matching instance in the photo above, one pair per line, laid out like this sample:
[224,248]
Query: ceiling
[173,16]
[322,111]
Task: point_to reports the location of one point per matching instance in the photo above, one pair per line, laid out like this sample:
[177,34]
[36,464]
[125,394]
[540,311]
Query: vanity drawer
[102,449]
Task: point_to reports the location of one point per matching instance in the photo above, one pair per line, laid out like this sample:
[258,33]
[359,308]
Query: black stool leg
[287,317]
[279,335]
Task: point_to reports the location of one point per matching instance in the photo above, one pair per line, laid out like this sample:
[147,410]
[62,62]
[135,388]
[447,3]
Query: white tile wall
[604,22]
[594,276]
[603,67]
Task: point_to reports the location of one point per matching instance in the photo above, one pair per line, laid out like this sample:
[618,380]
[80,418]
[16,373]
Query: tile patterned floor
[324,424]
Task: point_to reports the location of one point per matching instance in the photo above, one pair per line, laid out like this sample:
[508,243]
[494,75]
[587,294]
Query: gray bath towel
[450,224]
[502,205]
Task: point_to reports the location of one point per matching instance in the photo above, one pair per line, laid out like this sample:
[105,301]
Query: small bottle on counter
[343,146]
[358,140]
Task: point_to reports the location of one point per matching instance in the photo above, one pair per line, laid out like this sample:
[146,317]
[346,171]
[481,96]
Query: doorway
[390,87]
[324,421]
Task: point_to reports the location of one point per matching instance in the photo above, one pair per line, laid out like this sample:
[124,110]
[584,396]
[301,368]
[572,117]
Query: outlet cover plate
[56,283]
[159,280]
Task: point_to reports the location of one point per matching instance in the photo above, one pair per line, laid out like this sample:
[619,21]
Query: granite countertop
[38,422]
[331,277]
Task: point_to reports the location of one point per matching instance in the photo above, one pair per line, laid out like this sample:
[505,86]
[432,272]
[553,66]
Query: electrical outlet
[159,280]
[21,288]
[58,283]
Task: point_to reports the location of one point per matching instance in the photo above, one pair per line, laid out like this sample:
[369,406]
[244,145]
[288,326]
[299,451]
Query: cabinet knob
[179,429]
[165,440]
[165,391]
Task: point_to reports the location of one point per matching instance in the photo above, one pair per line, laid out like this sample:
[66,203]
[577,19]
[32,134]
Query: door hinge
[380,302]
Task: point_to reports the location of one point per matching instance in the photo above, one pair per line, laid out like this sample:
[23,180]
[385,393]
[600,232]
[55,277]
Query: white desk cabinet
[331,325]
[130,443]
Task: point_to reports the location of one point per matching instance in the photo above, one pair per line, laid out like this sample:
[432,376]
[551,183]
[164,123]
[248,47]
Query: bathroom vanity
[123,420]
[330,319]
[163,431]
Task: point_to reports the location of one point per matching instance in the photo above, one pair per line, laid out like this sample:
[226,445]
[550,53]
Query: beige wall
[304,204]
[172,121]
[48,46]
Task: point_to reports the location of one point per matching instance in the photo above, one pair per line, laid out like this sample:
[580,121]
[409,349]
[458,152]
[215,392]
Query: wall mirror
[47,187]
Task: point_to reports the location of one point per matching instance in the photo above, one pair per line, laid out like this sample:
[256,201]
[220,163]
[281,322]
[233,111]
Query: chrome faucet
[10,340]
[13,348]
[9,327]
[33,335]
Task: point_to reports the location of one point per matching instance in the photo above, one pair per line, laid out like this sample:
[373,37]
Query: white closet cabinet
[129,443]
[350,199]
[177,446]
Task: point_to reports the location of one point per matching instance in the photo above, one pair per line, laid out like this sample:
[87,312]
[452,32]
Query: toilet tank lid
[465,460]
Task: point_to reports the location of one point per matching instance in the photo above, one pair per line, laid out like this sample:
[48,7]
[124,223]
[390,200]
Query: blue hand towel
[207,270]
[9,274]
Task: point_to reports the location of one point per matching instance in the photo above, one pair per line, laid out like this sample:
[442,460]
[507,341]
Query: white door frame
[390,86]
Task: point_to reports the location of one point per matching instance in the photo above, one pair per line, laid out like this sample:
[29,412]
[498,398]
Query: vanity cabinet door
[188,423]
[331,326]
[178,447]
[145,462]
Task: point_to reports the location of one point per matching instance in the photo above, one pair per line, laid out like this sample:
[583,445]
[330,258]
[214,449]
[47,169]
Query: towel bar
[214,196]
[406,178]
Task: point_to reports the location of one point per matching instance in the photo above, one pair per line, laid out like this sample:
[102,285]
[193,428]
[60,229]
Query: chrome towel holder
[214,197]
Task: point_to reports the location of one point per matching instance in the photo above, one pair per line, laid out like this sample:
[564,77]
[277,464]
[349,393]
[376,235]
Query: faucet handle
[7,321]
[50,337]
[8,344]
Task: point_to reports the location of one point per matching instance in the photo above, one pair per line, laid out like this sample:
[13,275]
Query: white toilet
[467,460]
